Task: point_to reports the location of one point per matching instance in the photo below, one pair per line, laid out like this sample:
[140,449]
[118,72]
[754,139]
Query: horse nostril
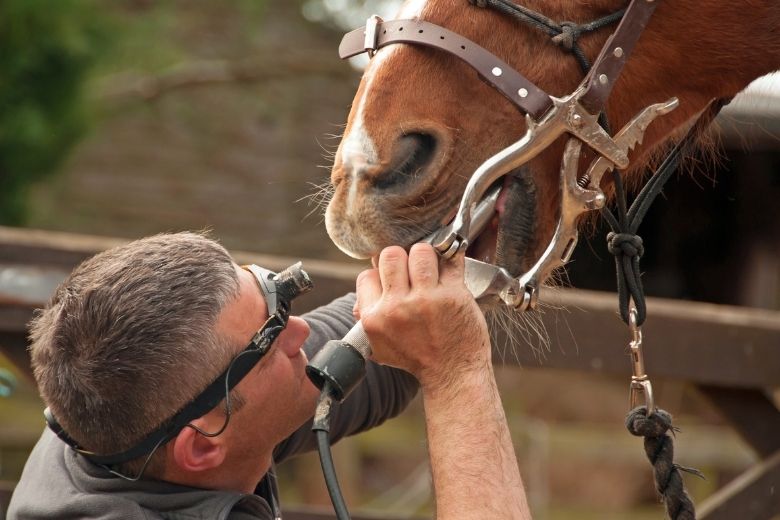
[413,152]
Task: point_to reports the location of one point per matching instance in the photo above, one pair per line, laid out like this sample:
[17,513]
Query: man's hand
[420,317]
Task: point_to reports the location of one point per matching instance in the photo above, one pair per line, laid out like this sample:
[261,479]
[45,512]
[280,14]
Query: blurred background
[126,118]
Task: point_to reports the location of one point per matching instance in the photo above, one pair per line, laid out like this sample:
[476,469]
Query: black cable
[321,428]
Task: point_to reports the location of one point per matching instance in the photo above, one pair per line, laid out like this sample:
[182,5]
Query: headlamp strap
[201,405]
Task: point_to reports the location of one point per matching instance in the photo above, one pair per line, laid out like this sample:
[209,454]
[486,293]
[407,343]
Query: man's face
[278,396]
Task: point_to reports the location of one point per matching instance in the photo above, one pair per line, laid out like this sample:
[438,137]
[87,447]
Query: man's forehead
[241,317]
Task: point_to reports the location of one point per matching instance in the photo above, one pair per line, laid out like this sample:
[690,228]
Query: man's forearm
[475,472]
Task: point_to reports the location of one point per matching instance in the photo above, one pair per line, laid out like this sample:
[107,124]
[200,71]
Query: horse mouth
[508,239]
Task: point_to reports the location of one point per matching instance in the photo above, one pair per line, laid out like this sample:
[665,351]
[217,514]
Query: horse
[422,121]
[425,135]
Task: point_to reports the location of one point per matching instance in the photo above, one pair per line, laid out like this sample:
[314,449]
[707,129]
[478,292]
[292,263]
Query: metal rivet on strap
[603,79]
[618,52]
[522,92]
[497,71]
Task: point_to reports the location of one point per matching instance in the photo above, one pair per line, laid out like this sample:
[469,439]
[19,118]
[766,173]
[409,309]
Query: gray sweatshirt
[59,483]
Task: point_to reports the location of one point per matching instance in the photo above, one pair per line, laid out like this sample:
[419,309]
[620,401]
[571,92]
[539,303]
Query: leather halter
[513,85]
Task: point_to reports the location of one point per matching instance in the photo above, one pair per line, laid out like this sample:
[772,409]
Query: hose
[321,428]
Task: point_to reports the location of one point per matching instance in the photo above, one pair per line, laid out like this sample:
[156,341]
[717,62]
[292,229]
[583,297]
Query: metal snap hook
[641,387]
[640,383]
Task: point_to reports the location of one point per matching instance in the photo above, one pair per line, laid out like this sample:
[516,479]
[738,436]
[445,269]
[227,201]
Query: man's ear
[195,452]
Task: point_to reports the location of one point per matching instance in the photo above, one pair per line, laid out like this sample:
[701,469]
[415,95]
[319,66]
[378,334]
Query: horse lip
[516,228]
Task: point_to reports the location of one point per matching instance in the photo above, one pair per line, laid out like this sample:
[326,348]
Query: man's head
[137,332]
[129,337]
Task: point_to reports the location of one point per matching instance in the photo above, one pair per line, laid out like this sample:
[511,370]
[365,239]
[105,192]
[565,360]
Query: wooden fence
[731,354]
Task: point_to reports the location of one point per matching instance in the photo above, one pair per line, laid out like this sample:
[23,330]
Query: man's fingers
[369,291]
[453,270]
[393,271]
[423,267]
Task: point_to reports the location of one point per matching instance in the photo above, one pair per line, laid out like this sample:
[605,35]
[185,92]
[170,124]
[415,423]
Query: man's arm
[423,319]
[475,472]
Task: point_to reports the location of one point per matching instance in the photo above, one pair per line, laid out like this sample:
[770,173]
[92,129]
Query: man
[137,334]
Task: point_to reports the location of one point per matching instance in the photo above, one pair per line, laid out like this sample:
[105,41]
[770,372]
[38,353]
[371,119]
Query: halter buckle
[372,34]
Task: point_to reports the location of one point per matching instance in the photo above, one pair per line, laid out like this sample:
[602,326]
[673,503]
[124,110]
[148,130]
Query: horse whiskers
[560,314]
[558,278]
[328,152]
[520,330]
[319,198]
[408,223]
[335,137]
[528,329]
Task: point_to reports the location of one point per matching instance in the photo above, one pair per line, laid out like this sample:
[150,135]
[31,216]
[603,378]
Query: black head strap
[202,404]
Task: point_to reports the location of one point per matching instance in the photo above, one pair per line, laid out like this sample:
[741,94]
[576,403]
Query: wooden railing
[731,354]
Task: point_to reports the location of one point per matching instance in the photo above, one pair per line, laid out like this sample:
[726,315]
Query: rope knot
[625,244]
[567,38]
[478,3]
[656,425]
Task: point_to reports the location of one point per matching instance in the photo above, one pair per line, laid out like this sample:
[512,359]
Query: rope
[623,242]
[564,34]
[659,448]
[627,247]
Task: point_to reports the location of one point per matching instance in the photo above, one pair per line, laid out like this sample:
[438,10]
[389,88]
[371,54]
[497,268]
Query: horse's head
[422,120]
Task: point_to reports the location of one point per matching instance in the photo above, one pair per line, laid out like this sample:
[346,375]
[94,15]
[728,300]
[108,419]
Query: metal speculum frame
[578,194]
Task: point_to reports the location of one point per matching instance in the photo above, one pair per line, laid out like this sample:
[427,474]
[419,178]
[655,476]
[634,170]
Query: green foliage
[46,50]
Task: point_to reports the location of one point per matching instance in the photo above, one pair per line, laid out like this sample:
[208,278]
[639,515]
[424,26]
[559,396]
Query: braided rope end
[659,448]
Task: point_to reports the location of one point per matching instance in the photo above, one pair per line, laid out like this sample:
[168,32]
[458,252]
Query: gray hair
[129,337]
